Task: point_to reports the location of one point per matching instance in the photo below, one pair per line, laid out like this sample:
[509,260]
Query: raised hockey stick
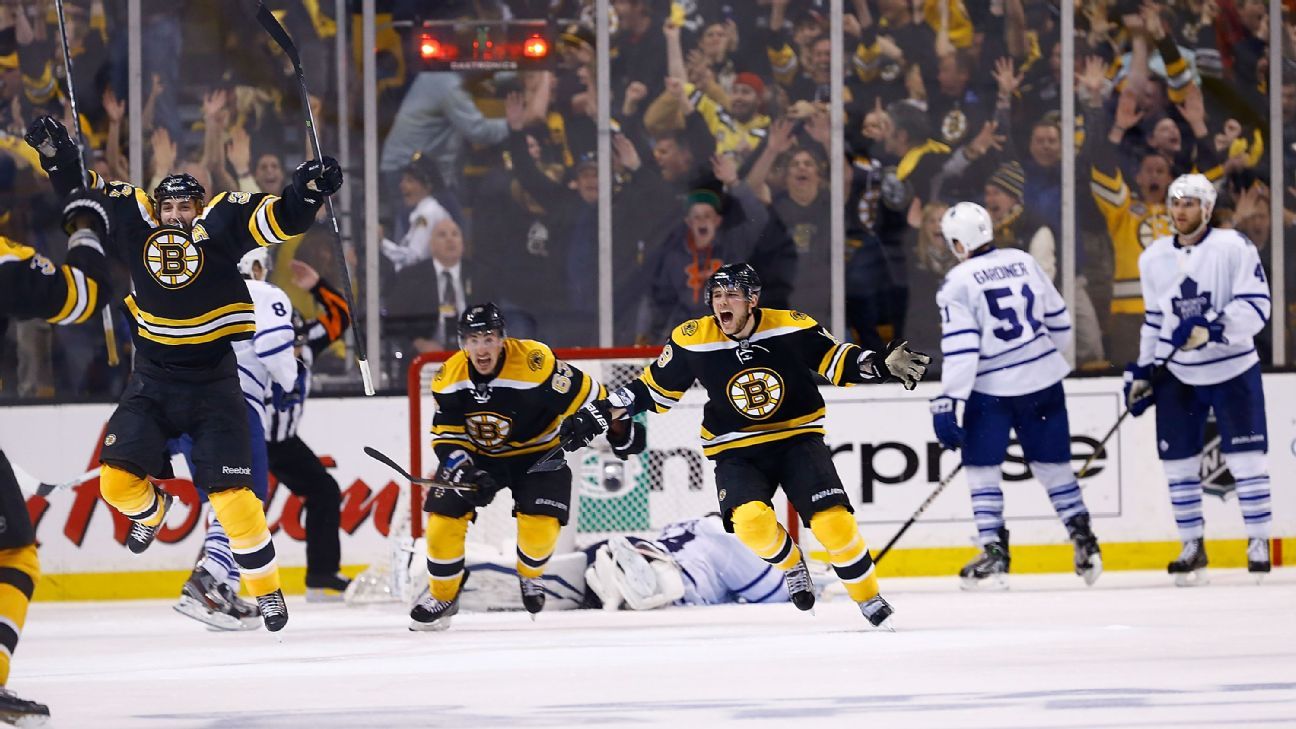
[280,36]
[377,455]
[921,508]
[110,336]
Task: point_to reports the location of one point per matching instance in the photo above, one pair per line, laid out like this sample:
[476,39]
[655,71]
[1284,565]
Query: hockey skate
[140,537]
[430,614]
[246,612]
[878,612]
[202,599]
[533,594]
[21,712]
[989,571]
[1088,557]
[799,586]
[326,587]
[274,611]
[1189,569]
[1258,558]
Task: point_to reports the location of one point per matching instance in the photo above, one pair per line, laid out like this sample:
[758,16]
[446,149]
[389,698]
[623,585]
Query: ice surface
[1131,651]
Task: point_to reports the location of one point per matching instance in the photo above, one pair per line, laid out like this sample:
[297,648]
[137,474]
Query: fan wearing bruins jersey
[763,424]
[499,404]
[33,287]
[188,304]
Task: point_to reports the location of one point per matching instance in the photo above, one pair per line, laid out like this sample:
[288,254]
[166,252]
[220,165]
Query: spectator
[423,301]
[928,263]
[640,51]
[708,237]
[417,182]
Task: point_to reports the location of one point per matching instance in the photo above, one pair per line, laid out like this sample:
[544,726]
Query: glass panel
[37,360]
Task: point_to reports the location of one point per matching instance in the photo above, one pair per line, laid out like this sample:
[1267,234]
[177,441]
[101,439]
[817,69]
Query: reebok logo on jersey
[236,471]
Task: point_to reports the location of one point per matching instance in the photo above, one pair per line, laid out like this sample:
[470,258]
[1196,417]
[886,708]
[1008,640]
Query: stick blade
[550,462]
[277,32]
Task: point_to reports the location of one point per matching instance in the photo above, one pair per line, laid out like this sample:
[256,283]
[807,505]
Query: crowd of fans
[719,153]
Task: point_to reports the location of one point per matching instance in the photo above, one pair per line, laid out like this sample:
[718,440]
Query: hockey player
[1004,327]
[188,305]
[499,404]
[763,424]
[1206,297]
[32,287]
[293,462]
[266,365]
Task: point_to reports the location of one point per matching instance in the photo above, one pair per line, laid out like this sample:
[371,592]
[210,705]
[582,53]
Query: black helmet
[183,185]
[481,318]
[739,276]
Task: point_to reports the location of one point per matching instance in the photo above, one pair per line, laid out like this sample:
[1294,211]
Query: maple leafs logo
[1190,302]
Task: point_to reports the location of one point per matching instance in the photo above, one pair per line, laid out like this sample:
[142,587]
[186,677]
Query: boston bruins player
[763,424]
[189,303]
[32,287]
[499,404]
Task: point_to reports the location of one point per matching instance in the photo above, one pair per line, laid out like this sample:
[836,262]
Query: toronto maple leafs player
[1206,297]
[1003,329]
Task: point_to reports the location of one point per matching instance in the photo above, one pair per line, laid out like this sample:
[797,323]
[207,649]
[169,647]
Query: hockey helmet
[1196,186]
[969,224]
[739,276]
[480,319]
[182,185]
[260,255]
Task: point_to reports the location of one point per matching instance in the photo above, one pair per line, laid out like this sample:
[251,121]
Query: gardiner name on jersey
[761,389]
[517,412]
[1220,278]
[1003,326]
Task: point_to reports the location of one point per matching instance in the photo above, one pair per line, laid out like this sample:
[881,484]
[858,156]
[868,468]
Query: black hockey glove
[86,209]
[49,137]
[314,178]
[896,361]
[636,440]
[580,429]
[459,470]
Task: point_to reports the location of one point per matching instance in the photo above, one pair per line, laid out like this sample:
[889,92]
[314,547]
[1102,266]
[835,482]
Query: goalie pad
[639,576]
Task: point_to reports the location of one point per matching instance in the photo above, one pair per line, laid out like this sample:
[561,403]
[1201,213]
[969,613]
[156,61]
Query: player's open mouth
[726,317]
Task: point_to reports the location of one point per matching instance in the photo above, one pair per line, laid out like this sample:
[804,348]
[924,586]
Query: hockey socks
[756,526]
[132,495]
[1186,497]
[1063,489]
[19,572]
[835,528]
[240,512]
[445,554]
[1252,477]
[987,501]
[536,538]
[218,557]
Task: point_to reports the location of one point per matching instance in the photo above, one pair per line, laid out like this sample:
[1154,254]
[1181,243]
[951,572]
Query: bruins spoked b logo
[756,392]
[488,430]
[172,258]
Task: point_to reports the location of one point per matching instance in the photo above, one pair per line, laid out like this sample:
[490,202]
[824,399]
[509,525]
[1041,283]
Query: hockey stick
[29,484]
[377,455]
[553,459]
[110,336]
[280,36]
[921,508]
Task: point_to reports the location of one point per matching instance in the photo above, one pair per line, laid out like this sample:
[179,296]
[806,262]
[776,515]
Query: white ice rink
[1130,652]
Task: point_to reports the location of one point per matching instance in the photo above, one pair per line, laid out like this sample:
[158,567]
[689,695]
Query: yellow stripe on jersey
[833,364]
[225,331]
[442,429]
[262,225]
[70,300]
[81,300]
[651,382]
[783,319]
[758,439]
[212,315]
[697,332]
[767,427]
[145,207]
[453,371]
[526,361]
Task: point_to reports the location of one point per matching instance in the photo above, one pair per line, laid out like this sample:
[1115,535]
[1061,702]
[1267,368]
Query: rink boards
[884,449]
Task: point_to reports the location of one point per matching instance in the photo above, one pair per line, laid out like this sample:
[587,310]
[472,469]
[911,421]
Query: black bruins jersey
[761,389]
[33,287]
[189,300]
[515,413]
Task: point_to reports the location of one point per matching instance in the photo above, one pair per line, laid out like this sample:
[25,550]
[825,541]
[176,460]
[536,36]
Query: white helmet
[260,255]
[1193,186]
[969,224]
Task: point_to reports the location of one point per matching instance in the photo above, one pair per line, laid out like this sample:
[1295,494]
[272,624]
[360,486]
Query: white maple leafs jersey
[1003,326]
[1219,278]
[717,567]
[268,357]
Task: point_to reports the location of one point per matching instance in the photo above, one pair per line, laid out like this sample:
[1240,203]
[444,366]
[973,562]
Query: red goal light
[430,48]
[535,47]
